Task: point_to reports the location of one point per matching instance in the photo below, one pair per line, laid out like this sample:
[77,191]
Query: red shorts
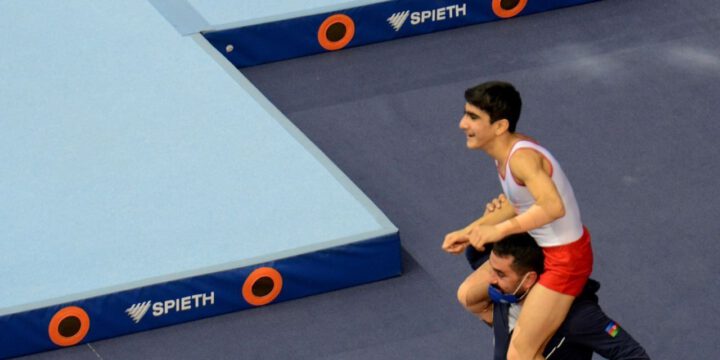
[567,267]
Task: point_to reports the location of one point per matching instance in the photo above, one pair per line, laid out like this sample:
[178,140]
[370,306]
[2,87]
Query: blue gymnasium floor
[135,160]
[623,92]
[175,150]
[203,15]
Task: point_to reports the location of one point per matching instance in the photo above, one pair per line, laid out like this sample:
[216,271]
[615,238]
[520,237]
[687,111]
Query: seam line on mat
[94,351]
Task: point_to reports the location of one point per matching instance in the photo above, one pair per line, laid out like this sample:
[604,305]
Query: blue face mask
[497,296]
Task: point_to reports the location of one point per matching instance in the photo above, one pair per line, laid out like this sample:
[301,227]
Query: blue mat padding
[290,38]
[205,295]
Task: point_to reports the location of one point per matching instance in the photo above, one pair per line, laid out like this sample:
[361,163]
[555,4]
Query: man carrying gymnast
[542,203]
[516,262]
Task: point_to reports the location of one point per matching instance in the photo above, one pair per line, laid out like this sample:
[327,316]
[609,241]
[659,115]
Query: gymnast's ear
[501,126]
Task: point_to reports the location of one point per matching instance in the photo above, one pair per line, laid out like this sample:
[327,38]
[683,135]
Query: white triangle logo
[398,19]
[137,311]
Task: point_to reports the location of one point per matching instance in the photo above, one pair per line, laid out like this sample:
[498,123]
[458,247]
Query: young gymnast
[542,203]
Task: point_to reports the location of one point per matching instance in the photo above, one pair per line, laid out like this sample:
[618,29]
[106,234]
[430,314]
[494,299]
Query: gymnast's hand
[497,210]
[480,235]
[495,204]
[456,242]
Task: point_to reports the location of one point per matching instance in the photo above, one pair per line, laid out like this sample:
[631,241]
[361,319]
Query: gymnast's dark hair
[497,98]
[528,255]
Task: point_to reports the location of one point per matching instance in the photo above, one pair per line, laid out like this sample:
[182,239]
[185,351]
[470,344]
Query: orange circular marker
[262,286]
[503,12]
[336,32]
[69,326]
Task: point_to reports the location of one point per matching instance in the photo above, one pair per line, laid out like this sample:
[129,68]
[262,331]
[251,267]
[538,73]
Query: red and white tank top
[561,231]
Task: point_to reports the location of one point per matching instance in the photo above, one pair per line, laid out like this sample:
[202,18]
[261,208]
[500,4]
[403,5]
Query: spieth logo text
[397,20]
[160,308]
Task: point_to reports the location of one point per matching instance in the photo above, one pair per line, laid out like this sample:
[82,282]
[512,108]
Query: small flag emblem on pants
[612,329]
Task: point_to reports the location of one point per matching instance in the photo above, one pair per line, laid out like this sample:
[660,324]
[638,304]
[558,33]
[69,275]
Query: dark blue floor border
[199,297]
[285,39]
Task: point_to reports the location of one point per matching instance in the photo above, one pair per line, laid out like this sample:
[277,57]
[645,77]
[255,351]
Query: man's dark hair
[528,255]
[497,98]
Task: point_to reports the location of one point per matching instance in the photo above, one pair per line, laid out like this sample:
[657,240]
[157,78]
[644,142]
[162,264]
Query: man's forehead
[501,262]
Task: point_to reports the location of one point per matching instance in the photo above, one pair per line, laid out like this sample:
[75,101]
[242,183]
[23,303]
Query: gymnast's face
[475,123]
